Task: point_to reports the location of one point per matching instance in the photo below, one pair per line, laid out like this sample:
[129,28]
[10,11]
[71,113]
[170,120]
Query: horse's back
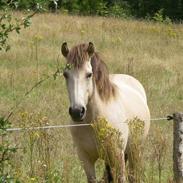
[123,79]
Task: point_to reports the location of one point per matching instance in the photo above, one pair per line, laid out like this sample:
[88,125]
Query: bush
[6,152]
[120,10]
[93,7]
[159,17]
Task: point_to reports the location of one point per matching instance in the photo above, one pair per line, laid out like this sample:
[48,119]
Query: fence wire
[71,125]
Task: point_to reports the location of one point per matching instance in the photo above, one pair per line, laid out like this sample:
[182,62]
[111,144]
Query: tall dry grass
[149,51]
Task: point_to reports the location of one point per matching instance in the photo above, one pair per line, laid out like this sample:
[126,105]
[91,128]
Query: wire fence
[72,125]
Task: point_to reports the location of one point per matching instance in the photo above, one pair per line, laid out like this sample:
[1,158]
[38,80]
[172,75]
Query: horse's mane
[78,55]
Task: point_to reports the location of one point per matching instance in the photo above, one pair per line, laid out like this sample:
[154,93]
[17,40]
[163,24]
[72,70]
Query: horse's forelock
[78,55]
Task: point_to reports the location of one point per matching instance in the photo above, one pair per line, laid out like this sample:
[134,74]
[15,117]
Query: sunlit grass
[149,51]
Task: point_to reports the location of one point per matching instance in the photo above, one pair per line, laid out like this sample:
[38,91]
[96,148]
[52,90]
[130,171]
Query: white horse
[94,93]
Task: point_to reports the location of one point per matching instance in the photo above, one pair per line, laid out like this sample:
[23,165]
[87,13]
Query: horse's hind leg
[115,169]
[108,178]
[108,173]
[126,158]
[135,167]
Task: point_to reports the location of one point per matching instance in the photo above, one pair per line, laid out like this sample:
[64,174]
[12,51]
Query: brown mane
[78,55]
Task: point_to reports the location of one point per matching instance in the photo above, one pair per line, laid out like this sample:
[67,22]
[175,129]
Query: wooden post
[178,147]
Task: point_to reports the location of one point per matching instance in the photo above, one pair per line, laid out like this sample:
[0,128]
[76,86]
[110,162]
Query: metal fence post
[178,147]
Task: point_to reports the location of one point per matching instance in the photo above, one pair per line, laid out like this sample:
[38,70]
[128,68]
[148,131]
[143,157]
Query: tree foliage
[137,8]
[118,8]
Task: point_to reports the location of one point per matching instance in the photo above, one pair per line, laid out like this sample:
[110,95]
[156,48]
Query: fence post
[178,147]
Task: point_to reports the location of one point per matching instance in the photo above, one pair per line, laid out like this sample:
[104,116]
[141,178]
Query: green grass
[149,51]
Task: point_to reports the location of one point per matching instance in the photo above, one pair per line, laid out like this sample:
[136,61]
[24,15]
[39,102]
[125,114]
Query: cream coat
[129,103]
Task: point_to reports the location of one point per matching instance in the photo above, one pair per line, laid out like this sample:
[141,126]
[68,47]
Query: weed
[110,147]
[135,151]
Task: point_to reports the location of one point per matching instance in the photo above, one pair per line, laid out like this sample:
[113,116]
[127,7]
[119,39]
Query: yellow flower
[38,37]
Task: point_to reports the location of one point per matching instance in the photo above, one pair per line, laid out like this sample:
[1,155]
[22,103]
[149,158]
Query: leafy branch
[6,151]
[9,24]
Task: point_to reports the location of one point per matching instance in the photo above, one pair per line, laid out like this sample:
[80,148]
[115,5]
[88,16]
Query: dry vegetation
[151,52]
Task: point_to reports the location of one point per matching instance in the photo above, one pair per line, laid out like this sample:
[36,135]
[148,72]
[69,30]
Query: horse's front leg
[88,165]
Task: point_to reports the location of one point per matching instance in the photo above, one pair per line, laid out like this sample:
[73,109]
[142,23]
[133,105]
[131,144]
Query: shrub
[159,17]
[6,152]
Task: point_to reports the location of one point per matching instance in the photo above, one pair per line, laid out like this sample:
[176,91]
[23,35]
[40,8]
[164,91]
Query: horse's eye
[65,74]
[89,75]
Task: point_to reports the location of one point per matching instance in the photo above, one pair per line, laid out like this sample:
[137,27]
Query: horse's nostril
[77,113]
[82,111]
[70,110]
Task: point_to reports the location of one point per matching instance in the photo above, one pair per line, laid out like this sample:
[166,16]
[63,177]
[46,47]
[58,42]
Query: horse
[93,93]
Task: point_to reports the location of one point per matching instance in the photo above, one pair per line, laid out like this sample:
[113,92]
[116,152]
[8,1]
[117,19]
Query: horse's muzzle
[77,113]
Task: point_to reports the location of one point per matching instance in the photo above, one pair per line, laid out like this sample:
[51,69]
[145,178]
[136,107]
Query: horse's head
[78,74]
[84,70]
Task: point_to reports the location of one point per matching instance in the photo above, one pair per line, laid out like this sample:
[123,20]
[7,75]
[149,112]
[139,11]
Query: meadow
[151,52]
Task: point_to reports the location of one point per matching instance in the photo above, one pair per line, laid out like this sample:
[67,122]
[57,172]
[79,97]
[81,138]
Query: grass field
[151,52]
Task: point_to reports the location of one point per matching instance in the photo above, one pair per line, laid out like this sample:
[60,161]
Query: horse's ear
[64,49]
[90,49]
